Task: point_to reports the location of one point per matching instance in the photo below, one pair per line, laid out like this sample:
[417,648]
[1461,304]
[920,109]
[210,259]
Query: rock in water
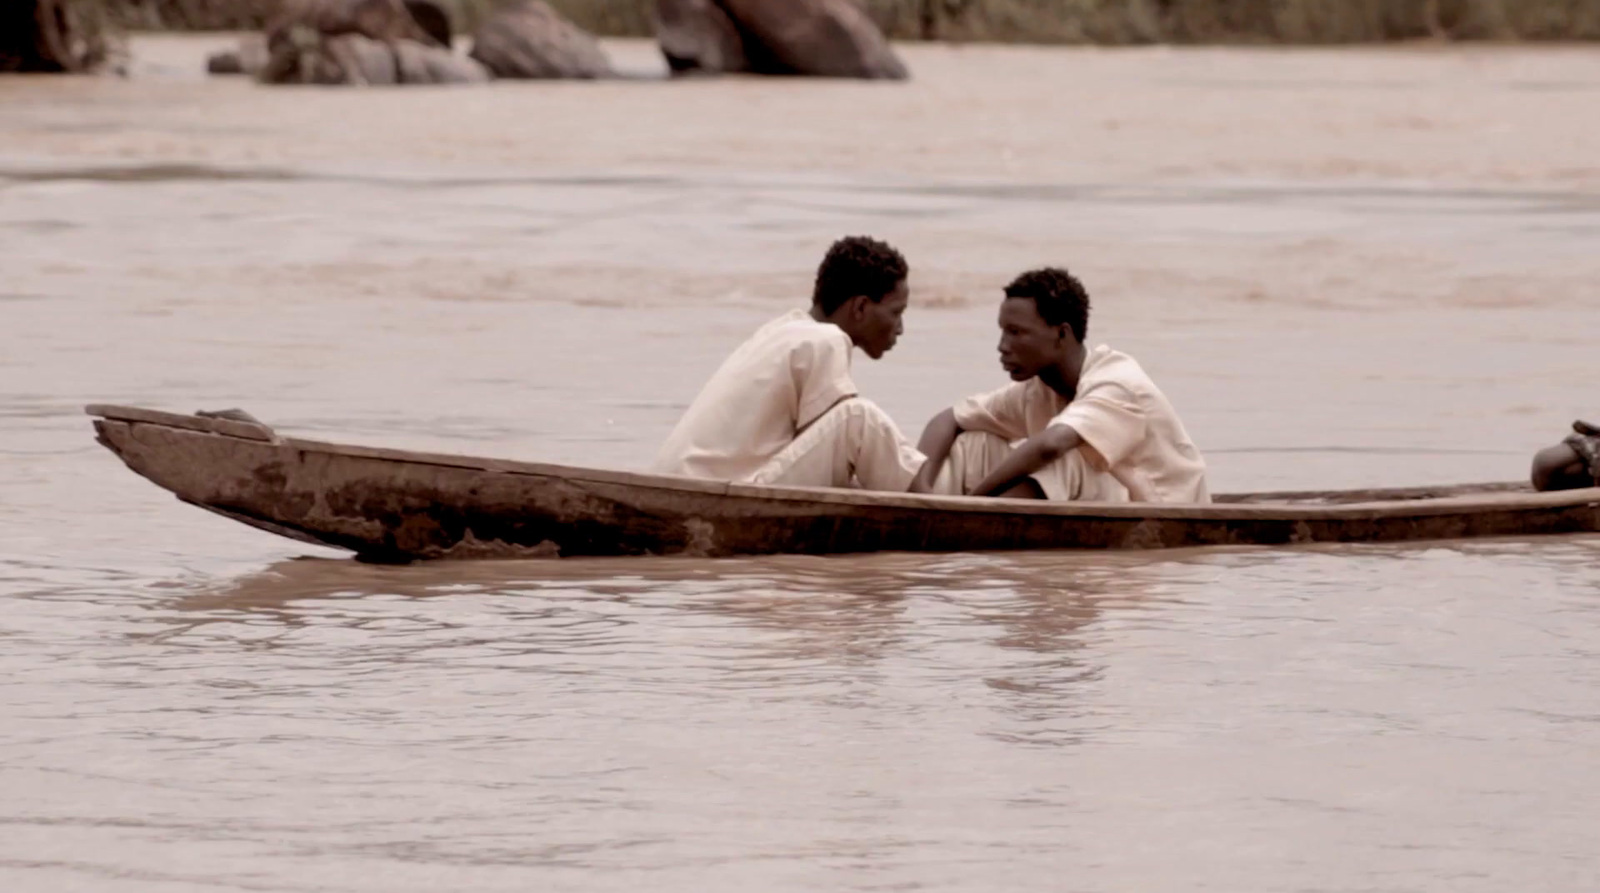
[828,38]
[361,42]
[698,36]
[357,60]
[347,59]
[418,64]
[250,57]
[225,62]
[528,39]
[377,19]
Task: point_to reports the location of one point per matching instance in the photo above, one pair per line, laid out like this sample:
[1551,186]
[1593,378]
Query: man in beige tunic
[782,408]
[1077,423]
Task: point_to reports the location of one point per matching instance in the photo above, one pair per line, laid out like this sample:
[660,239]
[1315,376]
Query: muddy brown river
[1346,268]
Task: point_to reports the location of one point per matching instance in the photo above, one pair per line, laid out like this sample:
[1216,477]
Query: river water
[1346,268]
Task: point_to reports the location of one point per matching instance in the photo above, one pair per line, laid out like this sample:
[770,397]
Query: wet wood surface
[396,505]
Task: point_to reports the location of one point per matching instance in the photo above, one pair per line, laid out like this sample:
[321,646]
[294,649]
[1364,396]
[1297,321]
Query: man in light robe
[1077,423]
[782,409]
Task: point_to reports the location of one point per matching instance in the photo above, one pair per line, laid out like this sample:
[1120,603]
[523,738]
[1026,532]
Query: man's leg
[1070,478]
[973,455]
[1073,479]
[853,443]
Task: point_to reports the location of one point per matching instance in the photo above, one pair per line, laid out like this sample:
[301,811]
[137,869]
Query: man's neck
[1063,376]
[819,316]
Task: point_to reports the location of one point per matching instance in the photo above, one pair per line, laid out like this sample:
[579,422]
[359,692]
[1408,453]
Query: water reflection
[677,715]
[873,577]
[828,631]
[828,606]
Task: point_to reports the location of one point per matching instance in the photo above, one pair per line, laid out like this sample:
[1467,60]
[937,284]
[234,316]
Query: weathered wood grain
[396,505]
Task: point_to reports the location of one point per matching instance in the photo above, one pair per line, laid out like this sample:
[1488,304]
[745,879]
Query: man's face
[878,324]
[1028,344]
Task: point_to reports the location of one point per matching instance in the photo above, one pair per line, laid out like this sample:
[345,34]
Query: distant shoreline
[1091,22]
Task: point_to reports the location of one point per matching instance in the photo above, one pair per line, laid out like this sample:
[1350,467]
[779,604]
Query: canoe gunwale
[966,504]
[228,427]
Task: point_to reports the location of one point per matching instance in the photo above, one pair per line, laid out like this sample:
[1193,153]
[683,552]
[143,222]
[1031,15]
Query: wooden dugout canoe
[396,505]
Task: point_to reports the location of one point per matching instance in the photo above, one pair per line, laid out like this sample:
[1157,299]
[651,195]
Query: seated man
[783,410]
[1092,425]
[1572,464]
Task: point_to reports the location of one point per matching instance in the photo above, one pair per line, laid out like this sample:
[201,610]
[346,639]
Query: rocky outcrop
[376,19]
[409,42]
[360,42]
[528,39]
[697,36]
[358,60]
[416,64]
[250,57]
[56,36]
[825,38]
[1178,21]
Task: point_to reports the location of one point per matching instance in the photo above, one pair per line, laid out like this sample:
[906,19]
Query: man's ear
[858,306]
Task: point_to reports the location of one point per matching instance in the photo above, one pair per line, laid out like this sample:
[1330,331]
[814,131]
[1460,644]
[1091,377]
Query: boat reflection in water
[772,627]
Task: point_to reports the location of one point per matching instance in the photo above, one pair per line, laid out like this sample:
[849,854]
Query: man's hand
[937,439]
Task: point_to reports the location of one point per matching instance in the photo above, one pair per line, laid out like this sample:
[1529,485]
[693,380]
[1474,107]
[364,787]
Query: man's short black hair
[1058,295]
[857,265]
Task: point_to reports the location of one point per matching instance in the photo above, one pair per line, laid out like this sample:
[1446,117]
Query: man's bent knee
[847,409]
[1560,468]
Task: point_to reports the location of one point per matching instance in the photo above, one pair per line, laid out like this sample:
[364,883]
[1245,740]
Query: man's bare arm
[937,439]
[1033,454]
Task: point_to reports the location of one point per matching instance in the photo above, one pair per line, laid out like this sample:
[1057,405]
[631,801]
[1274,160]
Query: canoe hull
[392,505]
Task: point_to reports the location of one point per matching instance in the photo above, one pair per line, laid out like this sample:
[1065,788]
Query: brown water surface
[1346,268]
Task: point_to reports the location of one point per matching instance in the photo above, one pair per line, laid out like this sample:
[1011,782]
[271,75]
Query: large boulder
[528,39]
[698,36]
[249,57]
[377,19]
[360,42]
[357,60]
[433,21]
[418,64]
[56,36]
[825,38]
